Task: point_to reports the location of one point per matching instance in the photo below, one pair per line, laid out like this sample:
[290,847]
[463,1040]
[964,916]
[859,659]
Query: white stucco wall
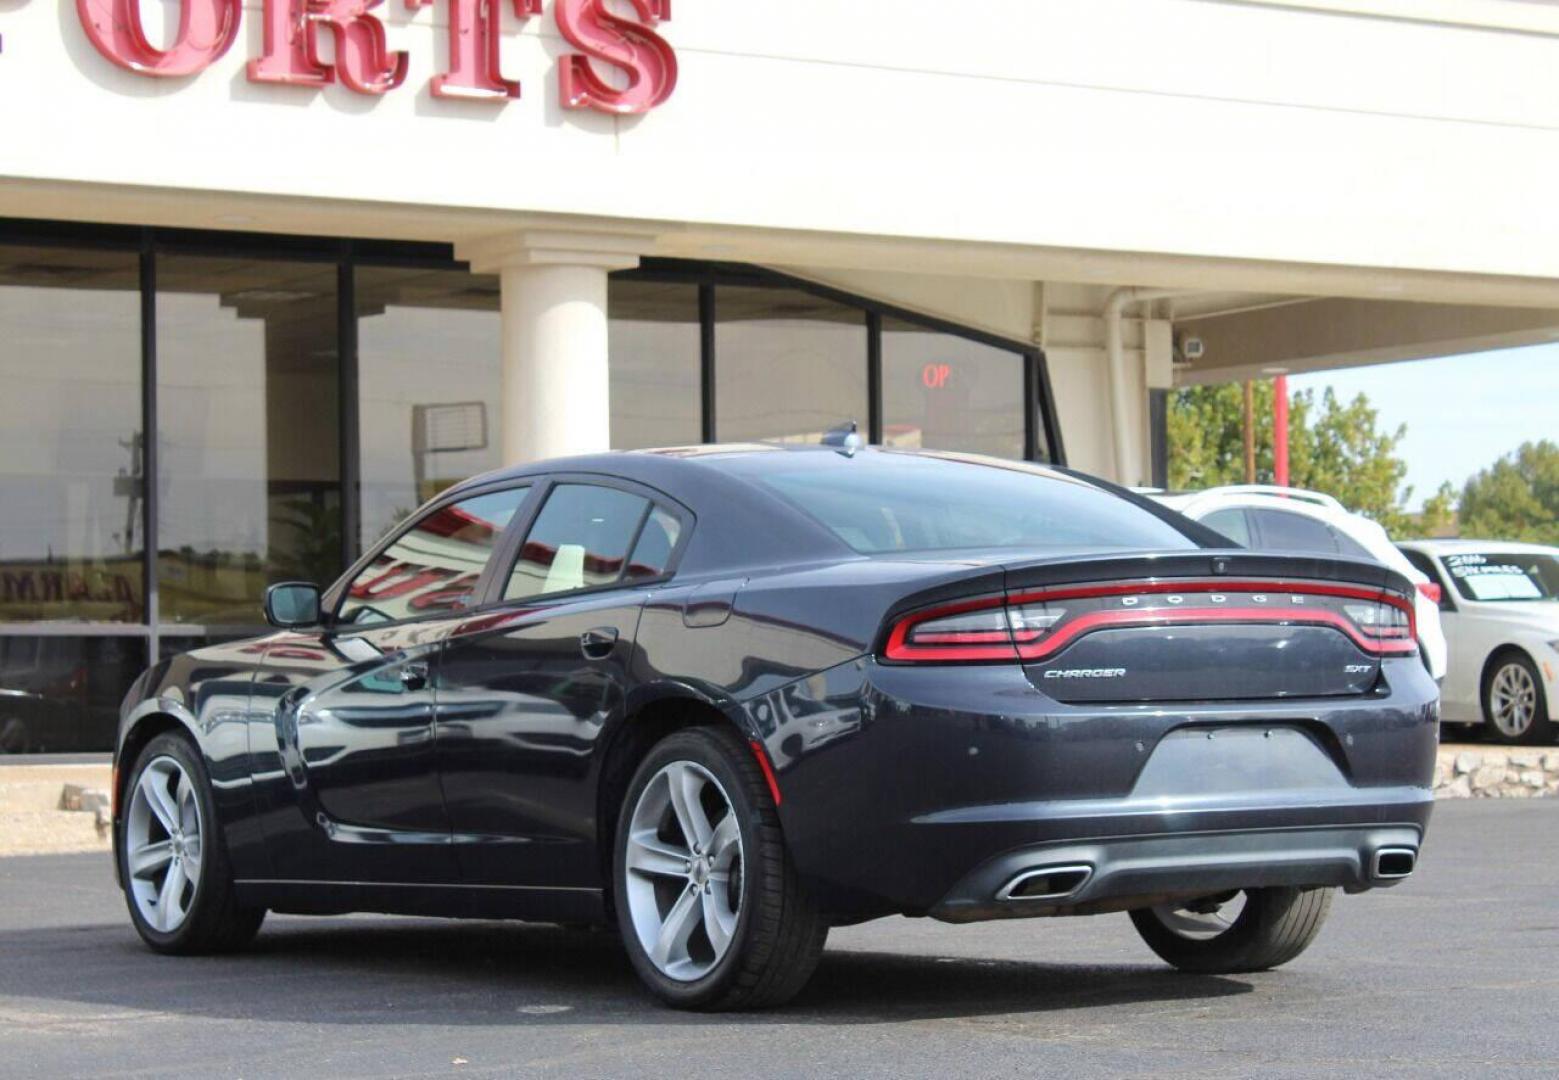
[1298,133]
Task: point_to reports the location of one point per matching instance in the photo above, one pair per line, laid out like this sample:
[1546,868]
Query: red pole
[1280,431]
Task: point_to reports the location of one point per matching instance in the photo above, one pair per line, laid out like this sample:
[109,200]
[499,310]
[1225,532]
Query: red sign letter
[474,71]
[206,30]
[599,34]
[291,52]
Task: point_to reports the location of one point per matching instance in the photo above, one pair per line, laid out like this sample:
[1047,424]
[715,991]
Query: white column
[556,399]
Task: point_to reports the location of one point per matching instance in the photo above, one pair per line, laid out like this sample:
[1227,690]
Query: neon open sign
[363,62]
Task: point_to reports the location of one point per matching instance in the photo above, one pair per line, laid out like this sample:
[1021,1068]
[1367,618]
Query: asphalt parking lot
[1455,972]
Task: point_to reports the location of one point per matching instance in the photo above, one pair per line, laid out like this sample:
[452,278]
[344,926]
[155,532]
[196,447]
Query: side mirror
[292,604]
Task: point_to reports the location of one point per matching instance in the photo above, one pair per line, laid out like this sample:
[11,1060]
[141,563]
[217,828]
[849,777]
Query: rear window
[882,504]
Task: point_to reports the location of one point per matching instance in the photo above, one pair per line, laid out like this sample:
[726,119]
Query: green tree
[1333,447]
[1439,512]
[1516,498]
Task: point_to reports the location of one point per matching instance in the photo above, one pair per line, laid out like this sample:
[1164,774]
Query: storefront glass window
[788,365]
[248,410]
[61,694]
[249,420]
[945,392]
[70,436]
[654,363]
[428,387]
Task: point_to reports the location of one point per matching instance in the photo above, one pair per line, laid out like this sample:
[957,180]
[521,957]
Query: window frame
[335,596]
[1430,567]
[508,553]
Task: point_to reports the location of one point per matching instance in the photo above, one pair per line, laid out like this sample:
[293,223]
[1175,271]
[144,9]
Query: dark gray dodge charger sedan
[724,698]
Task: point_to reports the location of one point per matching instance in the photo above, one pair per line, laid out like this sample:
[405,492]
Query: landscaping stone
[1496,772]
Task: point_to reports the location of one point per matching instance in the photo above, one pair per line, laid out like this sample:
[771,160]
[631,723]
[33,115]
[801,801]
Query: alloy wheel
[684,871]
[1513,700]
[163,847]
[1203,919]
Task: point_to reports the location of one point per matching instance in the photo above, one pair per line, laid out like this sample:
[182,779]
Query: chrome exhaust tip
[1046,883]
[1394,863]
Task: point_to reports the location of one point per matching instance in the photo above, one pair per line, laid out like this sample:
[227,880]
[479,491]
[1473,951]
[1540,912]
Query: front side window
[435,565]
[1504,575]
[580,540]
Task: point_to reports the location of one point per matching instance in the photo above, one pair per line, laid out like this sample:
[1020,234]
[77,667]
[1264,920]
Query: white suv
[1500,604]
[1291,519]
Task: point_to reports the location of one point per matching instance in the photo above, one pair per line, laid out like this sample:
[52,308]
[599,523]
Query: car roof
[670,464]
[1201,503]
[743,521]
[1365,532]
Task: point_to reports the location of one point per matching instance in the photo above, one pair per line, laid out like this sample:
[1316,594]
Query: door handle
[597,644]
[414,676]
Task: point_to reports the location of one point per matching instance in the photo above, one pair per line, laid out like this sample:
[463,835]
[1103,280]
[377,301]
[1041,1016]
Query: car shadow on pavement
[442,973]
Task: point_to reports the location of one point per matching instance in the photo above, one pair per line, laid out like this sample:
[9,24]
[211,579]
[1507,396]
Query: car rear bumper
[1120,873]
[909,790]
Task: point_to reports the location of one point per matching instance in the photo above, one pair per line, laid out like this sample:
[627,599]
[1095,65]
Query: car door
[527,689]
[342,734]
[1458,691]
[1467,646]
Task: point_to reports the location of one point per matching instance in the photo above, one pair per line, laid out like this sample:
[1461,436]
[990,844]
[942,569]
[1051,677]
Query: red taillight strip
[1310,588]
[1095,620]
[900,648]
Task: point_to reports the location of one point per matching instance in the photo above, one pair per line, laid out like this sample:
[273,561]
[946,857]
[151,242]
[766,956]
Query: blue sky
[1461,412]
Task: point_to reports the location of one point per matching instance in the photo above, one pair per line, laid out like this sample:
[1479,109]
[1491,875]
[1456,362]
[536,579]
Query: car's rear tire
[1514,705]
[1269,928]
[710,907]
[177,880]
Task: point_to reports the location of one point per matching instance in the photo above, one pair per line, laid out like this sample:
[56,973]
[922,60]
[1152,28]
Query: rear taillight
[1430,591]
[1034,625]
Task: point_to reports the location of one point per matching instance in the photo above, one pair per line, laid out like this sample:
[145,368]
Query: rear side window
[886,503]
[580,540]
[434,566]
[1350,548]
[1230,523]
[1282,531]
[652,554]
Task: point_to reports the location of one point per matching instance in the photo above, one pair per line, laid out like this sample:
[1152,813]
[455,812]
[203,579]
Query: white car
[1292,519]
[1500,606]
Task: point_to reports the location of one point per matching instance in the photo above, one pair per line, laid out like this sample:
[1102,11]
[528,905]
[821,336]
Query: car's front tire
[1514,705]
[1235,932]
[711,910]
[177,879]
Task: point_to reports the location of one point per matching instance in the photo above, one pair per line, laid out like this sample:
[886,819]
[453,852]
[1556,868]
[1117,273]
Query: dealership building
[273,272]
